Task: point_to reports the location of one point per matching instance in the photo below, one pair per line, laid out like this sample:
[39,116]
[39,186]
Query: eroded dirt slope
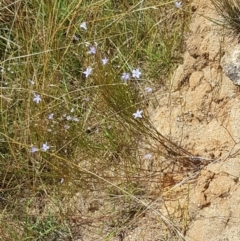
[202,114]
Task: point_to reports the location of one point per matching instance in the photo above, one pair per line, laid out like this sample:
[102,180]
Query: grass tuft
[71,123]
[229,10]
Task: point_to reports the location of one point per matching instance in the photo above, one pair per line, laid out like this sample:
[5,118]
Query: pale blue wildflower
[92,50]
[83,25]
[33,149]
[178,4]
[69,117]
[50,116]
[75,119]
[148,156]
[125,77]
[104,61]
[31,82]
[75,38]
[136,73]
[138,114]
[45,146]
[66,127]
[148,90]
[36,98]
[88,71]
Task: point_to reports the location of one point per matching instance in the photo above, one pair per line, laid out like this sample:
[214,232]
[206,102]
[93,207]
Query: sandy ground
[204,110]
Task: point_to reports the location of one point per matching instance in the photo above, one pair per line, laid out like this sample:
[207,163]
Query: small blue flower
[31,81]
[36,98]
[148,90]
[92,50]
[125,77]
[33,149]
[50,116]
[148,156]
[69,117]
[45,146]
[66,127]
[104,61]
[138,114]
[136,73]
[75,38]
[83,25]
[75,119]
[178,4]
[88,71]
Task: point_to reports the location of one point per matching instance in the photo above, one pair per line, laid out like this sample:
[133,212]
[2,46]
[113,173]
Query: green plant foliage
[73,99]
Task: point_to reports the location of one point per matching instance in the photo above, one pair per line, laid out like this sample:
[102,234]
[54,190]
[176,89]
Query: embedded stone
[231,64]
